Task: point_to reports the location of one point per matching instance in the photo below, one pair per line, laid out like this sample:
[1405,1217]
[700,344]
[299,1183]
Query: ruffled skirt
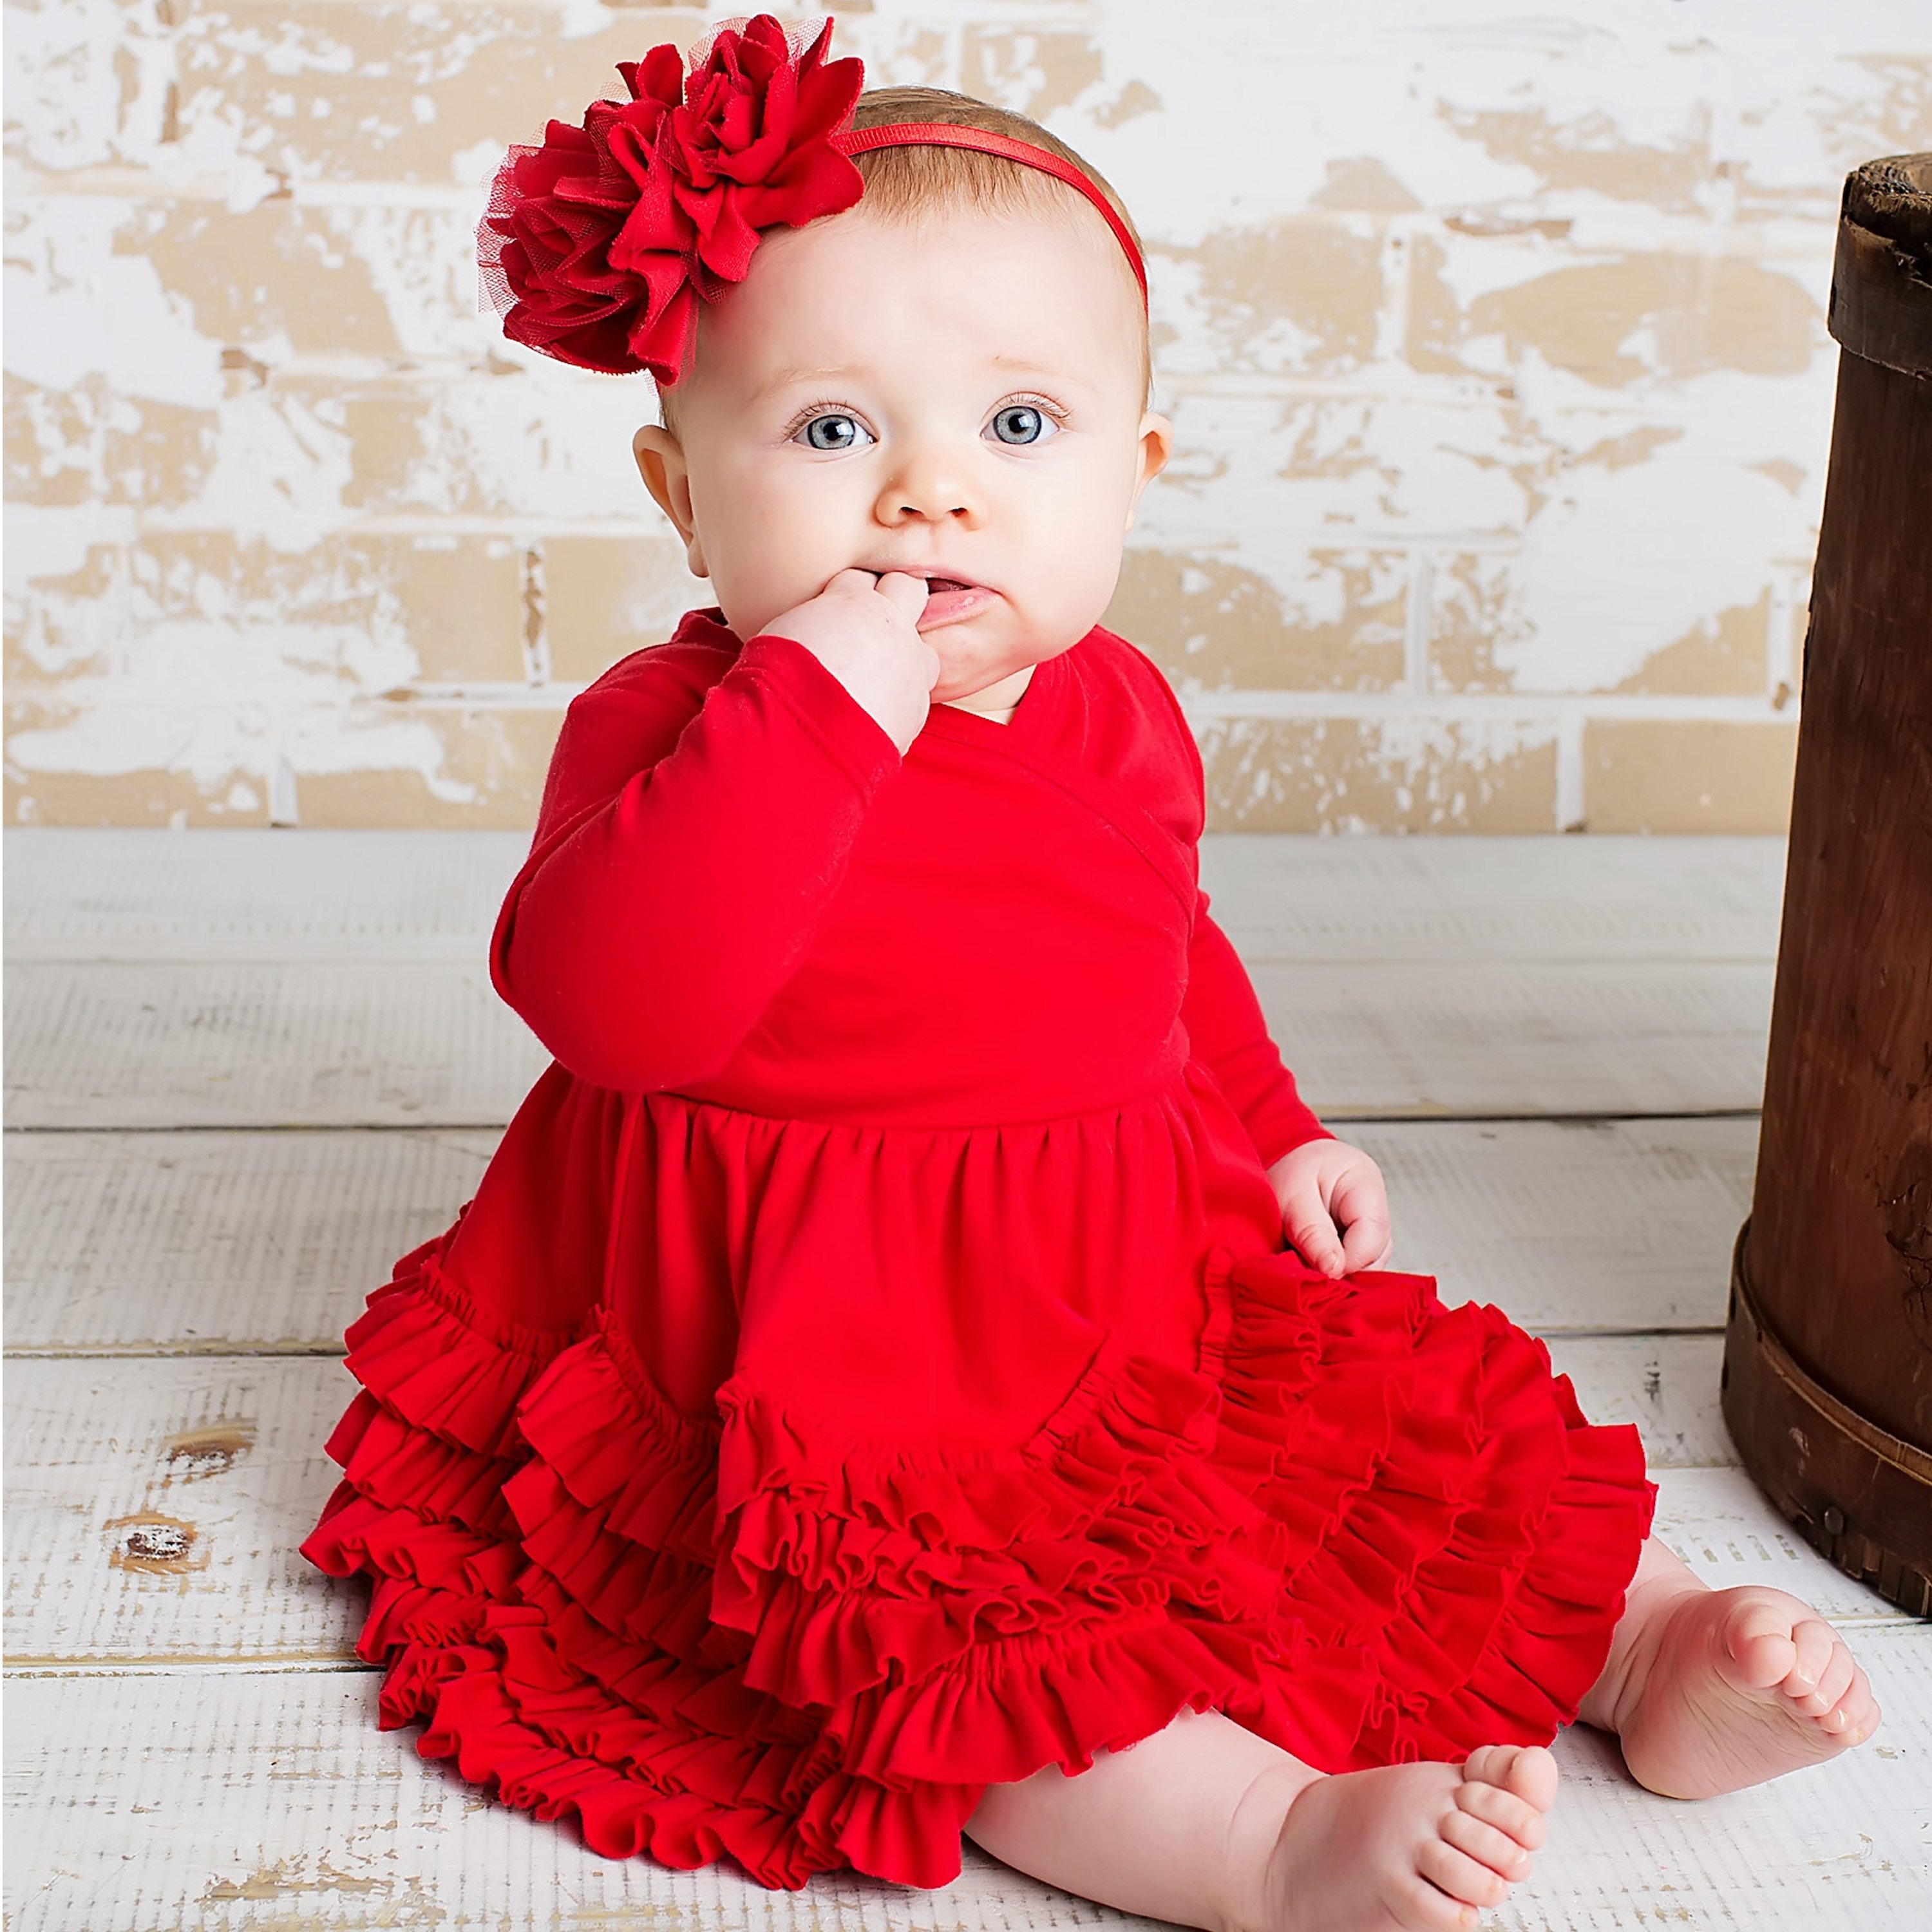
[1367,1528]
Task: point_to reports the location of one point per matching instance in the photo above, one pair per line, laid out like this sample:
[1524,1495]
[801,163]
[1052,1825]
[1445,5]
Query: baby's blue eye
[1021,422]
[833,431]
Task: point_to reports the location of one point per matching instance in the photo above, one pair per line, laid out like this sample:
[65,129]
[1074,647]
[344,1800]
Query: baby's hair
[905,181]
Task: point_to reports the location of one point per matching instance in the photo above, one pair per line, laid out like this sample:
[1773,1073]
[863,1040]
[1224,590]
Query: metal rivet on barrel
[1834,1519]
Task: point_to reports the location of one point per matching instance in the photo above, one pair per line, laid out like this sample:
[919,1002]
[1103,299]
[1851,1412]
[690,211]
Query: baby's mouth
[935,585]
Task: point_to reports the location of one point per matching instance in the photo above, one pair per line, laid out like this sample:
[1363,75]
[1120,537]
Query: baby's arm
[1323,1184]
[1230,1038]
[682,859]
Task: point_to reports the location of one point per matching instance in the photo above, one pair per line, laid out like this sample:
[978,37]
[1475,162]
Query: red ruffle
[1361,1526]
[1461,1543]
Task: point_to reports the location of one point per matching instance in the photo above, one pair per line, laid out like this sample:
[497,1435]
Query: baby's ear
[1156,446]
[660,459]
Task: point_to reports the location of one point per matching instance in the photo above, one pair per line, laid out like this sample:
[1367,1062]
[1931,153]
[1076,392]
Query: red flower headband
[598,246]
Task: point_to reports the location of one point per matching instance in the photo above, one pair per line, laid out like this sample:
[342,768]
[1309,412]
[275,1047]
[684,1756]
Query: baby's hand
[1324,1185]
[864,631]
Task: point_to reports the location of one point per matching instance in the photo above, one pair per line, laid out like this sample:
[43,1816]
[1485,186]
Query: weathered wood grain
[193,1744]
[240,978]
[90,892]
[1568,1225]
[220,1241]
[210,1802]
[350,1042]
[1397,1039]
[153,1507]
[1522,899]
[356,1042]
[101,893]
[87,893]
[229,1241]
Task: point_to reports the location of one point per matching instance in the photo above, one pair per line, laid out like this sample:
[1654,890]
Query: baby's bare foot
[1408,1847]
[1738,1686]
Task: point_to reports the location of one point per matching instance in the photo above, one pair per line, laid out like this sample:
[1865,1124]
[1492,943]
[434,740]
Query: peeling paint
[1212,625]
[1333,775]
[1494,345]
[212,1451]
[152,1545]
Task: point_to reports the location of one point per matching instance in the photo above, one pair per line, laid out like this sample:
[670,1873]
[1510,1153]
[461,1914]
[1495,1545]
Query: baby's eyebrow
[786,379]
[780,380]
[1054,375]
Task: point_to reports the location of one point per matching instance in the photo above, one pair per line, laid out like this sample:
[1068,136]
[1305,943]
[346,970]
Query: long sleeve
[1230,1037]
[682,859]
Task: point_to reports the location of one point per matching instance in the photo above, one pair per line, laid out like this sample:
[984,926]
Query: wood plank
[221,1242]
[260,1044]
[421,1042]
[1594,1225]
[1395,1039]
[199,1802]
[1667,1384]
[153,1507]
[87,893]
[1438,900]
[97,893]
[231,1242]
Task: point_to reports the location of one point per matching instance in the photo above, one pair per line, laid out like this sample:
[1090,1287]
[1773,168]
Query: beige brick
[454,600]
[1610,322]
[64,624]
[1692,774]
[461,599]
[52,454]
[1472,610]
[1657,315]
[1590,152]
[377,92]
[278,269]
[503,753]
[1345,774]
[494,447]
[605,597]
[1724,655]
[1031,71]
[1475,615]
[1332,621]
[1314,271]
[91,445]
[142,796]
[149,797]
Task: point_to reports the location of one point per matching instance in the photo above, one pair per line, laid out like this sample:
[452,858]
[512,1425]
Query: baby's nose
[928,490]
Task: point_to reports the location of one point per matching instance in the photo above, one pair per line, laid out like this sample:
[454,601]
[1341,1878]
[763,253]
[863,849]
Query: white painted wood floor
[245,1070]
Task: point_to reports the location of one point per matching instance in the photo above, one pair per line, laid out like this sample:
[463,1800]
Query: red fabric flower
[598,244]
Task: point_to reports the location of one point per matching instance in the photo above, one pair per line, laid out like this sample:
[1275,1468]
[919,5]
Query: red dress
[871,1366]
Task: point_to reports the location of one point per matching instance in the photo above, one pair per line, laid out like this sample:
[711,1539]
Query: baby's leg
[1205,1824]
[1709,1691]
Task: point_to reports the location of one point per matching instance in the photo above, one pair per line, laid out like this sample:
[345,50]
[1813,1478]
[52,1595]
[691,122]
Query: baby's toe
[1813,1641]
[1504,1810]
[1857,1712]
[1534,1776]
[1459,1875]
[1527,1770]
[1833,1681]
[1486,1844]
[1760,1638]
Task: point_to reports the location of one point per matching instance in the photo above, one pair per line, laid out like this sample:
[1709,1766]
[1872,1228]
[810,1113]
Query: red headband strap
[947,134]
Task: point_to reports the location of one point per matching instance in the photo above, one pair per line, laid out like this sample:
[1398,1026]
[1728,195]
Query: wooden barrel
[1827,1355]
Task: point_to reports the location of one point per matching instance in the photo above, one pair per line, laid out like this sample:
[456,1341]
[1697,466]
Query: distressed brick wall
[1494,343]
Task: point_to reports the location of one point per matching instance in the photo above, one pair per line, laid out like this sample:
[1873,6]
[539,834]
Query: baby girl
[915,1365]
